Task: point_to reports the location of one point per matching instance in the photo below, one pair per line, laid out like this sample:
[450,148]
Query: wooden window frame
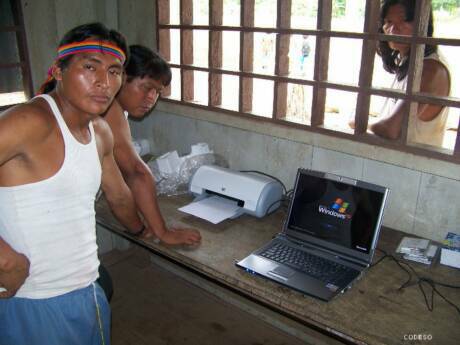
[320,83]
[24,63]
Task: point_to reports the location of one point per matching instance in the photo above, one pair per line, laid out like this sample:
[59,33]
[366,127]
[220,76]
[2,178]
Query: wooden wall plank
[371,24]
[321,62]
[282,59]
[186,44]
[246,55]
[216,14]
[414,74]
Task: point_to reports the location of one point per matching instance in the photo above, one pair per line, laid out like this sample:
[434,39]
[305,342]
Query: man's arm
[117,193]
[14,269]
[20,127]
[390,127]
[435,81]
[141,182]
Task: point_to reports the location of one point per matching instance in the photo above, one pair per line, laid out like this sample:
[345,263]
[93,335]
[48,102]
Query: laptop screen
[336,212]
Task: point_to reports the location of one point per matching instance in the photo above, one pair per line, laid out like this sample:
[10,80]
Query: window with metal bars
[307,64]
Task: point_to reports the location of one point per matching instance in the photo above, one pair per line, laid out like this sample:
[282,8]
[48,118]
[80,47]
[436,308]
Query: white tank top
[53,221]
[422,132]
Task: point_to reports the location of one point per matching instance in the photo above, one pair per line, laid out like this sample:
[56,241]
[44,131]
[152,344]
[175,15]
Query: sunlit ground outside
[200,48]
[12,98]
[262,102]
[231,50]
[175,84]
[201,87]
[230,88]
[175,46]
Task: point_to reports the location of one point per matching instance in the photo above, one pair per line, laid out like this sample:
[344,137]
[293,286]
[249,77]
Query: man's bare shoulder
[119,125]
[435,78]
[102,128]
[32,119]
[115,114]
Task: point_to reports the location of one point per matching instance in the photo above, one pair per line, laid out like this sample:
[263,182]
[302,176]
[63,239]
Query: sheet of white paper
[214,209]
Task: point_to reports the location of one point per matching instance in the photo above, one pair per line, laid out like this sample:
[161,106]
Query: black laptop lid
[336,213]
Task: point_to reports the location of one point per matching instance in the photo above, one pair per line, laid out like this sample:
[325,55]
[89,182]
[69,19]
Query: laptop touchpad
[283,271]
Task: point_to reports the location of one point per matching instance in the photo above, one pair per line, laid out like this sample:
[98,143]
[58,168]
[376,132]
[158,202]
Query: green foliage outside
[450,6]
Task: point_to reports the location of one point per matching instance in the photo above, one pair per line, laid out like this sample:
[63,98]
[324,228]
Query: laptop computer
[329,237]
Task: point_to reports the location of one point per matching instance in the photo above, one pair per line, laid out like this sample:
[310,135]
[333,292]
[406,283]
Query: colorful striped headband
[83,47]
[91,46]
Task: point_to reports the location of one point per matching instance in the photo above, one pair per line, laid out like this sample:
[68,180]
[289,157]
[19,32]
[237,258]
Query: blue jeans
[68,319]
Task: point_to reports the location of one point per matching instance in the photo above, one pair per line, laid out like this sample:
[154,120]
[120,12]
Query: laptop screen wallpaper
[336,212]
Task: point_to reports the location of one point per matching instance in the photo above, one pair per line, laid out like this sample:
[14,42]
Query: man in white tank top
[55,152]
[428,126]
[147,75]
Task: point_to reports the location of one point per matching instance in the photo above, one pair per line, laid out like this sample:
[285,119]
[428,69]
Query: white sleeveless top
[52,221]
[422,132]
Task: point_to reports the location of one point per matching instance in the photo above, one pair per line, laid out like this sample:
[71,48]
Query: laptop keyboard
[317,267]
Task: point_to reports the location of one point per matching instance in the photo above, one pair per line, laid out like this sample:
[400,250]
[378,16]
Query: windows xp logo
[338,209]
[340,206]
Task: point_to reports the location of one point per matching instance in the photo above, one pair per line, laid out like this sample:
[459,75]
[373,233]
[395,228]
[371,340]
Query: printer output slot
[239,202]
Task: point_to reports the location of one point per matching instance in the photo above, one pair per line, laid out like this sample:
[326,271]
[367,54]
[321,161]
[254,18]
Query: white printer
[256,194]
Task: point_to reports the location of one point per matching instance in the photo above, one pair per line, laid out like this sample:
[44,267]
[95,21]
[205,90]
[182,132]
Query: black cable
[284,198]
[445,299]
[429,302]
[448,285]
[286,193]
[262,173]
[289,192]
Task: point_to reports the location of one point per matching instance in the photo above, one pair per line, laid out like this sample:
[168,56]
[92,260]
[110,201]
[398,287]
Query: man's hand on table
[177,236]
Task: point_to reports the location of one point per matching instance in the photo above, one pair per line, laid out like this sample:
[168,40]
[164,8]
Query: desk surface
[373,311]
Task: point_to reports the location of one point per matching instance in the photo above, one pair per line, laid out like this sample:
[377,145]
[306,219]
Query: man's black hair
[96,31]
[145,62]
[390,57]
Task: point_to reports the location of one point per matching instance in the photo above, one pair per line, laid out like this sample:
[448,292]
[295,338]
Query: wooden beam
[163,10]
[367,66]
[457,142]
[321,62]
[186,44]
[21,40]
[216,13]
[246,56]
[164,36]
[414,74]
[282,58]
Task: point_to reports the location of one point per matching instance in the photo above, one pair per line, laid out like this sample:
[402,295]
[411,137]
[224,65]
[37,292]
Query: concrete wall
[47,21]
[421,202]
[137,21]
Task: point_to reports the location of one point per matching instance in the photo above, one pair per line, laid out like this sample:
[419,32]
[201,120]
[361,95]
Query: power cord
[286,199]
[286,194]
[273,177]
[429,302]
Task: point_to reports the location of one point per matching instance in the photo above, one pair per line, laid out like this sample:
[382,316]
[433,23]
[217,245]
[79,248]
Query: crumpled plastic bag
[175,182]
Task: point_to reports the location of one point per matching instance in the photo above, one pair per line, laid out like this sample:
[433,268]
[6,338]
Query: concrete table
[373,311]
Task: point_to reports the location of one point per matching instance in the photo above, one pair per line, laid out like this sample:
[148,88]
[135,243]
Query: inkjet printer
[255,194]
